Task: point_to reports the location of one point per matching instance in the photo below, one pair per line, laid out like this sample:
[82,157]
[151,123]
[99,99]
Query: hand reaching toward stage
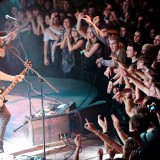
[116,122]
[103,123]
[126,92]
[77,140]
[98,62]
[108,72]
[96,20]
[121,65]
[88,20]
[90,126]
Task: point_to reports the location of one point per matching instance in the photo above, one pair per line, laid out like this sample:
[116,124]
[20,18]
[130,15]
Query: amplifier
[54,127]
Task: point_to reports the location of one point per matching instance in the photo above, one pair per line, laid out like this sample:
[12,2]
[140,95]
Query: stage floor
[25,100]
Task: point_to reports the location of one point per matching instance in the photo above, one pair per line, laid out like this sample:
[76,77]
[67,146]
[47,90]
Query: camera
[151,107]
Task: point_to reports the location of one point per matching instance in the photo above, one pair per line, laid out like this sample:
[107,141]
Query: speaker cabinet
[91,112]
[54,127]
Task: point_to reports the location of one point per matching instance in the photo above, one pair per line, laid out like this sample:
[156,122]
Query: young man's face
[104,30]
[114,45]
[130,52]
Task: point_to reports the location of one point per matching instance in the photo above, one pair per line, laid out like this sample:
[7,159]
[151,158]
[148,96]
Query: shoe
[1,150]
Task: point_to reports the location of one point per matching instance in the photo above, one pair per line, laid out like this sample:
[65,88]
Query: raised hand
[103,123]
[112,152]
[116,122]
[77,140]
[88,19]
[126,92]
[96,19]
[108,72]
[89,126]
[98,62]
[80,15]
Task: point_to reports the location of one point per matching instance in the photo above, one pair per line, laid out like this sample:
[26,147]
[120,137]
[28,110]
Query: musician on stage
[4,112]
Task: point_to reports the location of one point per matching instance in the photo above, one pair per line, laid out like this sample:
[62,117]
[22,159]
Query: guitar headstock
[28,64]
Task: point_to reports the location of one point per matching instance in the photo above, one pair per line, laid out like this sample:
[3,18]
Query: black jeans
[4,119]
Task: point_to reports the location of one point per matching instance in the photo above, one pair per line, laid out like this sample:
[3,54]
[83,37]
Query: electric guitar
[5,92]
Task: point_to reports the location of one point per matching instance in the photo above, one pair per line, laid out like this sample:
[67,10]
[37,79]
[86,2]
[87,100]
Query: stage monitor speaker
[91,112]
[54,126]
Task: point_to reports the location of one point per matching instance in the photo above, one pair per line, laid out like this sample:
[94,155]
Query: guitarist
[4,112]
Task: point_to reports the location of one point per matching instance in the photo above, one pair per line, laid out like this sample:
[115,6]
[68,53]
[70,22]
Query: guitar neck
[13,84]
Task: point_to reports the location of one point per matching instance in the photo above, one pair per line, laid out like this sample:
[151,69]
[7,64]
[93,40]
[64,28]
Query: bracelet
[112,80]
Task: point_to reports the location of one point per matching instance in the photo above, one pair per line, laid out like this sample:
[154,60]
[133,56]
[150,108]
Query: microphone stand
[26,58]
[41,79]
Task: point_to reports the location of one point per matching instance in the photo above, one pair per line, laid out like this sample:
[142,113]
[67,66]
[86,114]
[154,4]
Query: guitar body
[3,92]
[1,97]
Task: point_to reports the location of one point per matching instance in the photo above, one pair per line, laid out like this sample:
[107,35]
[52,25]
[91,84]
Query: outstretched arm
[82,31]
[136,82]
[119,131]
[104,125]
[77,141]
[90,126]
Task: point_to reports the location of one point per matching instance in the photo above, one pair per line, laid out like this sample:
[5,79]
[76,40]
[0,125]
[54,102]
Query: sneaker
[1,150]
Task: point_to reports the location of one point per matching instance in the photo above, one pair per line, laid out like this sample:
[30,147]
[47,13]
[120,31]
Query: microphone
[9,17]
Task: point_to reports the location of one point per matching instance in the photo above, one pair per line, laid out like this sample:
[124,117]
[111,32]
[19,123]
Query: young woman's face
[152,33]
[74,32]
[55,21]
[123,32]
[156,40]
[66,5]
[66,23]
[47,19]
[14,11]
[137,37]
[90,34]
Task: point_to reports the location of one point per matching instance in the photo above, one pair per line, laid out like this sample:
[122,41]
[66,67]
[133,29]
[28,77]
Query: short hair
[115,37]
[146,59]
[140,122]
[136,47]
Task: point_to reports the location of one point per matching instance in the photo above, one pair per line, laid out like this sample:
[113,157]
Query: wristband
[112,80]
